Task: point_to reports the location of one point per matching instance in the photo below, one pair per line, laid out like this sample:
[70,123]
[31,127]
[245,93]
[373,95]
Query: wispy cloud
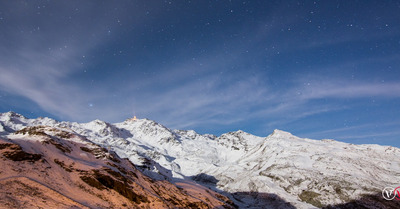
[40,59]
[192,92]
[369,136]
[199,102]
[346,89]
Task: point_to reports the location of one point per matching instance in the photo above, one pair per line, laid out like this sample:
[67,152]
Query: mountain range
[141,163]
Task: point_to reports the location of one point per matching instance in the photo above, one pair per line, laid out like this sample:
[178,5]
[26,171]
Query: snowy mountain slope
[43,166]
[302,172]
[332,172]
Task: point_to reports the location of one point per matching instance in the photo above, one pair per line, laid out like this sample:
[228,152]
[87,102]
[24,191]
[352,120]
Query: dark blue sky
[318,69]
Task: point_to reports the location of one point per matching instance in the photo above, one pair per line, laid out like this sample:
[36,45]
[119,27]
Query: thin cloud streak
[368,136]
[341,89]
[347,129]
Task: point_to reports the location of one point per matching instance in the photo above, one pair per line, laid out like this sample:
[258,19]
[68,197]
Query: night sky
[318,69]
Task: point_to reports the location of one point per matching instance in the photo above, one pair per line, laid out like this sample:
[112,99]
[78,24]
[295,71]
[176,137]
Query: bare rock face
[47,167]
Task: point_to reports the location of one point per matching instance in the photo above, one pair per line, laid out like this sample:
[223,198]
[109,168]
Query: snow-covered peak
[97,129]
[96,124]
[242,135]
[238,140]
[44,121]
[193,135]
[134,121]
[12,121]
[145,127]
[279,134]
[11,114]
[12,117]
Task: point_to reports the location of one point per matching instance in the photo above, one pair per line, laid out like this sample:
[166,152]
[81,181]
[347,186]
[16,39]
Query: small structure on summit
[132,119]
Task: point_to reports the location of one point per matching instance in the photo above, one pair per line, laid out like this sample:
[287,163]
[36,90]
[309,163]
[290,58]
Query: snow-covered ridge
[303,172]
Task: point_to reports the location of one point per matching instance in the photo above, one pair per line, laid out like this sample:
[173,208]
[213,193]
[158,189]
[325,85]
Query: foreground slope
[280,170]
[42,166]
